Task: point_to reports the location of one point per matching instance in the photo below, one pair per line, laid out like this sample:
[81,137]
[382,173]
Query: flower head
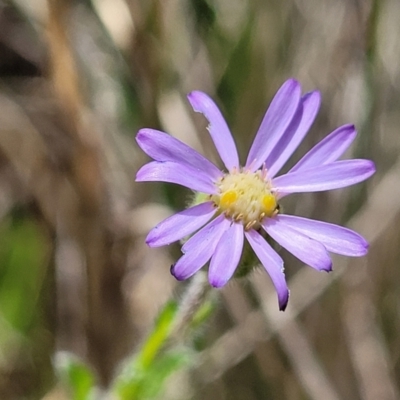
[243,201]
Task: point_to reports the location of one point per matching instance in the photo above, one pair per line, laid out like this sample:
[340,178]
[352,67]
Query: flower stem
[193,299]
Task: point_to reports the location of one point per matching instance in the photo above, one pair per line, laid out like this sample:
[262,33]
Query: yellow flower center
[247,197]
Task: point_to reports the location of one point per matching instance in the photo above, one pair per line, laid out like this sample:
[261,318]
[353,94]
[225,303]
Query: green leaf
[129,383]
[161,370]
[162,329]
[145,374]
[75,375]
[147,385]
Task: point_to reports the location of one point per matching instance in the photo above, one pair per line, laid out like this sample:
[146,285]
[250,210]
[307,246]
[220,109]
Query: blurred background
[78,78]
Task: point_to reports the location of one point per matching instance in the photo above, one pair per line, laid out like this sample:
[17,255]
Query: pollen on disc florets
[246,196]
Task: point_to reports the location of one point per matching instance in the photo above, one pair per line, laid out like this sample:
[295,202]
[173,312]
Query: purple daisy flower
[243,202]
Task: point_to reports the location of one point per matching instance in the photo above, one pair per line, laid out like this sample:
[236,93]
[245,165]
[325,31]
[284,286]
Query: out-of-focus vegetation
[80,291]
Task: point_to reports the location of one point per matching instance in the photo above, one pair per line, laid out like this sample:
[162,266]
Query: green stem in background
[365,144]
[143,375]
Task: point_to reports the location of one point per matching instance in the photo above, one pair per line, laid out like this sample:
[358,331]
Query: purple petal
[335,238]
[206,234]
[226,256]
[181,224]
[218,128]
[276,120]
[199,248]
[329,149]
[294,135]
[305,249]
[273,263]
[163,147]
[176,173]
[325,177]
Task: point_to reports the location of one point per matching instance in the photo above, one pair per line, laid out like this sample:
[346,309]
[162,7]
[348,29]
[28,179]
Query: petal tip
[292,85]
[292,81]
[142,132]
[283,300]
[217,283]
[194,93]
[140,176]
[372,166]
[316,93]
[137,177]
[175,275]
[151,240]
[195,97]
[364,247]
[142,135]
[327,268]
[315,96]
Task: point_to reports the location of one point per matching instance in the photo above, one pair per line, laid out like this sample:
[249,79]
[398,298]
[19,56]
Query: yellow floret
[269,203]
[228,198]
[246,197]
